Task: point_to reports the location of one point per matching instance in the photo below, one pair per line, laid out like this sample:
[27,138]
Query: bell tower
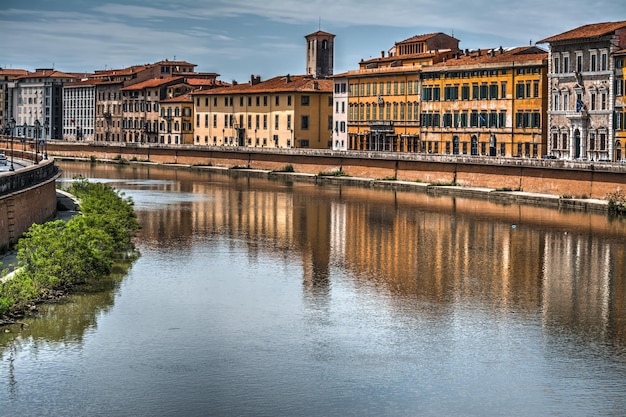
[320,54]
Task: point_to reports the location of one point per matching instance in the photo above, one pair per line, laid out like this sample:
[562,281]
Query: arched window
[324,44]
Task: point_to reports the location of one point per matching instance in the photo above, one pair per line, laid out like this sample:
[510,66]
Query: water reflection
[568,265]
[258,297]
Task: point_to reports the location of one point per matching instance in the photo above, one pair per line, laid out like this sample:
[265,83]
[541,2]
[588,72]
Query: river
[253,297]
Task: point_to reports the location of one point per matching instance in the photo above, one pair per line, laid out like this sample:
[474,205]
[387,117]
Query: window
[265,122]
[535,89]
[519,90]
[579,62]
[276,119]
[566,64]
[304,122]
[594,58]
[557,65]
[603,61]
[277,101]
[304,100]
[264,101]
[465,92]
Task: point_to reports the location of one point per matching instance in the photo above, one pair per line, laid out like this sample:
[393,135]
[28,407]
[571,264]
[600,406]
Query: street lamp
[12,127]
[37,132]
[46,125]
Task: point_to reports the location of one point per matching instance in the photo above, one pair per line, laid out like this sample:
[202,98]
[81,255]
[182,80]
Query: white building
[78,110]
[581,93]
[37,98]
[340,114]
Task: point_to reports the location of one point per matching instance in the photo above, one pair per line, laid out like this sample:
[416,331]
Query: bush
[617,202]
[59,255]
[286,168]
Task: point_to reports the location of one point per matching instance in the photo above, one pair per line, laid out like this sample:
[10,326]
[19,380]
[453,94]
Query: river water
[269,298]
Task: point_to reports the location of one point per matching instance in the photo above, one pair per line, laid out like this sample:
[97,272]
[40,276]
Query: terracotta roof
[496,56]
[46,73]
[14,72]
[320,32]
[421,38]
[154,82]
[82,83]
[166,62]
[587,31]
[407,57]
[123,71]
[183,98]
[284,83]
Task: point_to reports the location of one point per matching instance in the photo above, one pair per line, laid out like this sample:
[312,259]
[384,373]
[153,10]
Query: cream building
[582,96]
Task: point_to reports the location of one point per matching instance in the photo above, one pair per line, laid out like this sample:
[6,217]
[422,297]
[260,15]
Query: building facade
[485,103]
[619,148]
[340,114]
[37,99]
[282,112]
[6,109]
[78,110]
[176,120]
[384,94]
[582,103]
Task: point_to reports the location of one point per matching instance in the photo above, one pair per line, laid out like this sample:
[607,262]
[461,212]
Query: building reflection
[568,266]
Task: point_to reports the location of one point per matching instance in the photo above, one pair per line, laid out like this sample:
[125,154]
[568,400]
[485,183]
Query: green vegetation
[337,173]
[286,168]
[390,178]
[119,159]
[57,256]
[617,203]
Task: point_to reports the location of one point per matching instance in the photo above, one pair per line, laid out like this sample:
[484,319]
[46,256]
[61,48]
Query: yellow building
[383,94]
[176,121]
[282,112]
[486,102]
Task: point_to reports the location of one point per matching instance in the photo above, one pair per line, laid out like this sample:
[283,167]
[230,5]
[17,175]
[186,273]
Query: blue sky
[237,38]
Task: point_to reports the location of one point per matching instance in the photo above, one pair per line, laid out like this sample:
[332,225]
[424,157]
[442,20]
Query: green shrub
[59,255]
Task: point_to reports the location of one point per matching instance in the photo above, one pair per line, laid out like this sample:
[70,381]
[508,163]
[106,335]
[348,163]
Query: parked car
[3,159]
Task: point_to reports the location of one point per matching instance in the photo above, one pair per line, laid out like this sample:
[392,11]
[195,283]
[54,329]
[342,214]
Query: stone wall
[34,202]
[556,177]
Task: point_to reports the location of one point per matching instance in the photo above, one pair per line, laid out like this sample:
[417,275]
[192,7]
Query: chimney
[492,53]
[501,50]
[466,52]
[288,78]
[255,80]
[234,82]
[382,54]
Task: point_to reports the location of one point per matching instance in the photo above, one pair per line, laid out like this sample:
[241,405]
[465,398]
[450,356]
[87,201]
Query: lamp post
[24,138]
[37,130]
[46,125]
[11,128]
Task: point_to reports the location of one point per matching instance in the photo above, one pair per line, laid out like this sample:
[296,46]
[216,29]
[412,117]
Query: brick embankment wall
[556,177]
[35,202]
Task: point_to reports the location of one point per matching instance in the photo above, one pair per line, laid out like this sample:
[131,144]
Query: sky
[239,38]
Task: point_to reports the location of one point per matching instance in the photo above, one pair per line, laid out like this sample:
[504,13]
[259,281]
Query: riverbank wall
[27,196]
[569,179]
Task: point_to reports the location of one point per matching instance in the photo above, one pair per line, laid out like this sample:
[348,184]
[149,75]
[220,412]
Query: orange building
[485,102]
[383,94]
